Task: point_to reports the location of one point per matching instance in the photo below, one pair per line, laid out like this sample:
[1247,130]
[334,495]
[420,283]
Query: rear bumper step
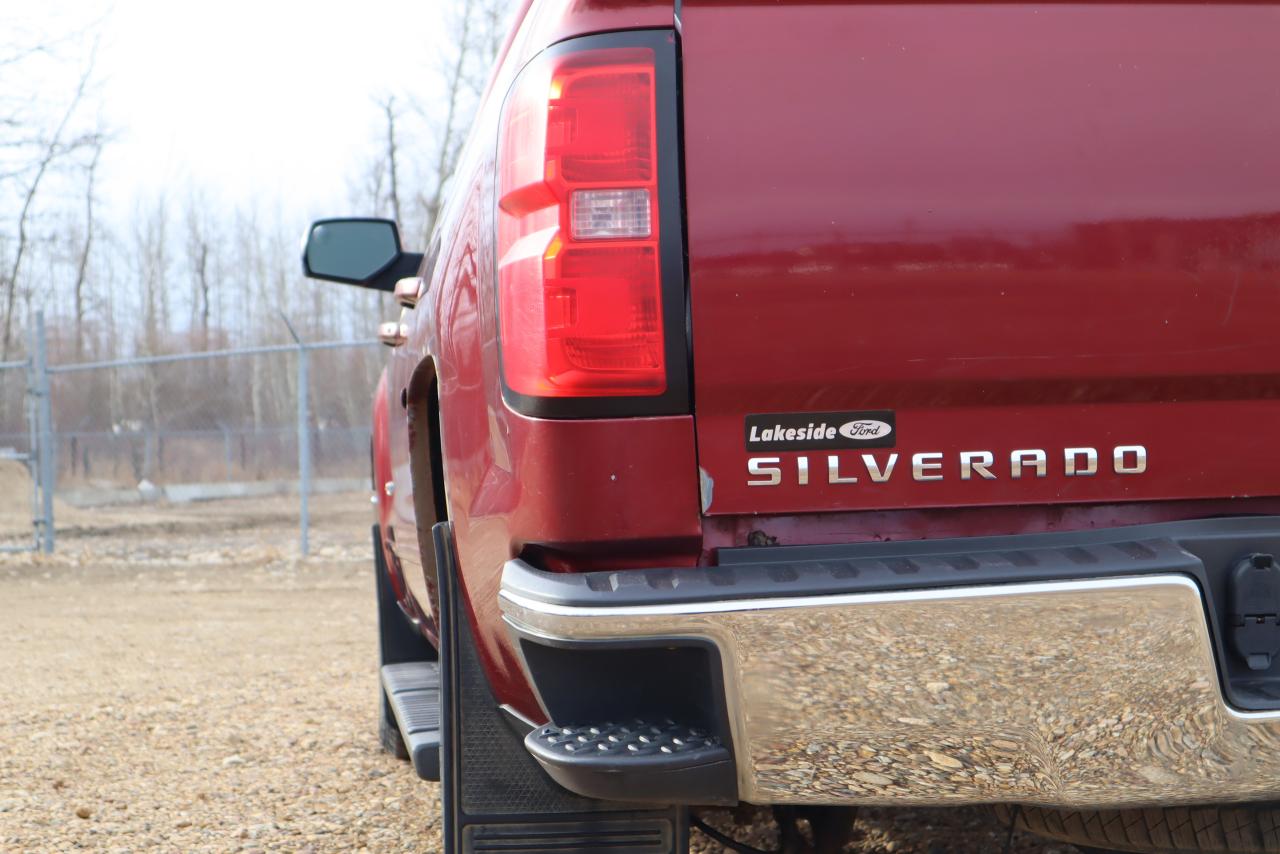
[1076,670]
[413,689]
[637,761]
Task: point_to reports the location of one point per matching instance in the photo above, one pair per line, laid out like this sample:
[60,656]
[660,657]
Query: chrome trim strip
[992,590]
[1090,693]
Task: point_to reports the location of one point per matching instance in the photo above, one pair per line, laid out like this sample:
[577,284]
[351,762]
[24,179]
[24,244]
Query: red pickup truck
[834,403]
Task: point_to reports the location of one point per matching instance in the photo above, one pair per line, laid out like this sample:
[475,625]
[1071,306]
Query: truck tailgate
[983,229]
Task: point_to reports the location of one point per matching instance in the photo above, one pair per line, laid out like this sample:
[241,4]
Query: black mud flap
[494,796]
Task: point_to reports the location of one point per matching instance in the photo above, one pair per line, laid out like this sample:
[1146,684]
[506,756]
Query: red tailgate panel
[1016,227]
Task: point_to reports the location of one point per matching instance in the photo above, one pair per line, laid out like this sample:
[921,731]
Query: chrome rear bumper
[1098,692]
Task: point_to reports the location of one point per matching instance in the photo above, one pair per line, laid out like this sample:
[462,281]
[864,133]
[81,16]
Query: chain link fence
[282,419]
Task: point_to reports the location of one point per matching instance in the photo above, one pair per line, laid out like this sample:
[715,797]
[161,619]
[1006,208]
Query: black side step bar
[413,689]
[410,680]
[494,796]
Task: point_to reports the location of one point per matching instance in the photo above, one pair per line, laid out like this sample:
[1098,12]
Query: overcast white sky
[272,99]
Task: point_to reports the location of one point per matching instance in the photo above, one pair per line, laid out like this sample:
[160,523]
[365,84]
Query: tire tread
[1232,829]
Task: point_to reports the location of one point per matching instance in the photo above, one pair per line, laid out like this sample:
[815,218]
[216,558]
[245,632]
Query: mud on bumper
[1085,669]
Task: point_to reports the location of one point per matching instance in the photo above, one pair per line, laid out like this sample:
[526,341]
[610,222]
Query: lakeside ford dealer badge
[815,431]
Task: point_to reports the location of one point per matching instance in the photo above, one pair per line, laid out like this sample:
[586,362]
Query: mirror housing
[358,251]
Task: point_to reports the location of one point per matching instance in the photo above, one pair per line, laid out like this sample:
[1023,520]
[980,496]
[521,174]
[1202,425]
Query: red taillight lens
[579,271]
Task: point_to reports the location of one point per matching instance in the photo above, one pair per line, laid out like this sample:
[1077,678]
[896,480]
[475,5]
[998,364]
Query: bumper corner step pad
[637,761]
[413,689]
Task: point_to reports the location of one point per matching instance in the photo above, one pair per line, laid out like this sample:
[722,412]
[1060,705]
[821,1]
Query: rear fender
[381,476]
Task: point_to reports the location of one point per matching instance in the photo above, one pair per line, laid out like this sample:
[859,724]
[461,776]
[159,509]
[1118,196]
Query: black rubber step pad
[637,760]
[412,676]
[413,689]
[667,741]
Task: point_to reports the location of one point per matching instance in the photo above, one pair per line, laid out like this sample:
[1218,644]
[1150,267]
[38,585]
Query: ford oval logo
[865,429]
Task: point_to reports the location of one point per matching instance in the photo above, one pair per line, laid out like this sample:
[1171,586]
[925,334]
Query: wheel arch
[421,401]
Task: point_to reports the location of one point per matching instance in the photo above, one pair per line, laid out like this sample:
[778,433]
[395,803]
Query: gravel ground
[179,679]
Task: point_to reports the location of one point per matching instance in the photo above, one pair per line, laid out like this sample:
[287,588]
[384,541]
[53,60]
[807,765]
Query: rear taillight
[581,231]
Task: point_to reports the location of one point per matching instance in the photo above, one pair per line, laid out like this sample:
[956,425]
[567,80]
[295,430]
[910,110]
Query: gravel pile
[182,681]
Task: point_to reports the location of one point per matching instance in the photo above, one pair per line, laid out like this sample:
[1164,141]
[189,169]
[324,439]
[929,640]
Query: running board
[413,689]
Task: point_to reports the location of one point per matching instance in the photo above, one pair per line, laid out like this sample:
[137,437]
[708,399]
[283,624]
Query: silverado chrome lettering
[766,467]
[833,471]
[1023,464]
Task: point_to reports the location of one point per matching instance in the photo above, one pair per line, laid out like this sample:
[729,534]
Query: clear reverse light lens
[610,213]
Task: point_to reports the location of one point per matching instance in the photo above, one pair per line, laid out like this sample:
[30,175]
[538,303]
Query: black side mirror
[363,252]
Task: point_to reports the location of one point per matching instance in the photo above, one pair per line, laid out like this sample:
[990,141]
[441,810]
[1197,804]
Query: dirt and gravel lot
[177,678]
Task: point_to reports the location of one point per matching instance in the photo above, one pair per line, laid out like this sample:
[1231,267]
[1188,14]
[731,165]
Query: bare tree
[475,31]
[51,149]
[151,251]
[412,189]
[199,247]
[86,248]
[216,276]
[493,18]
[388,105]
[453,122]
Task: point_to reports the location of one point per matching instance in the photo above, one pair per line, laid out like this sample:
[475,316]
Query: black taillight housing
[591,294]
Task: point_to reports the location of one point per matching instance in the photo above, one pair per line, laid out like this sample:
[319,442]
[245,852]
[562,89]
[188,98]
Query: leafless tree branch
[388,106]
[51,152]
[87,247]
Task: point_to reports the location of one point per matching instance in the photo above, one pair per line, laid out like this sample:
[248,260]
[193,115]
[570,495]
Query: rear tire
[1197,830]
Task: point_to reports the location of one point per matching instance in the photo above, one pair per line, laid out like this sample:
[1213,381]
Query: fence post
[304,439]
[226,452]
[44,425]
[304,445]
